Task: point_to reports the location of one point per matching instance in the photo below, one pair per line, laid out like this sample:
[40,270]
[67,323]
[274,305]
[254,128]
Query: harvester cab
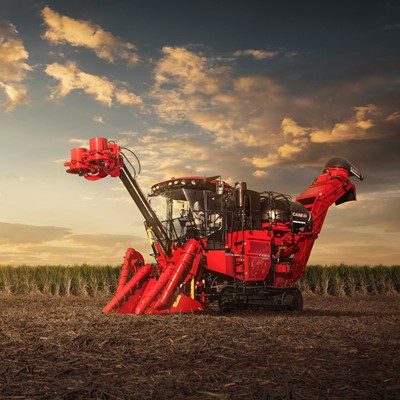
[193,207]
[215,245]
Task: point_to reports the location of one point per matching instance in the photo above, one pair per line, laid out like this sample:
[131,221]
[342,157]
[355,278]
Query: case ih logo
[299,215]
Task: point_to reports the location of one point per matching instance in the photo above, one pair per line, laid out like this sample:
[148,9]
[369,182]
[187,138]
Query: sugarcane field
[57,344]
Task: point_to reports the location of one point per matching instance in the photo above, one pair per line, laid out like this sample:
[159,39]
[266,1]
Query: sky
[264,92]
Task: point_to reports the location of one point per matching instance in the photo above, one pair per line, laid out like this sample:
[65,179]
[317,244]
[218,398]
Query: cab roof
[186,182]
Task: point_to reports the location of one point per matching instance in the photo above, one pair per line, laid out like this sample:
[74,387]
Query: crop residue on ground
[65,348]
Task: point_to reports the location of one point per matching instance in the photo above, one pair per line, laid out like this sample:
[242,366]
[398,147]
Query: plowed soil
[65,348]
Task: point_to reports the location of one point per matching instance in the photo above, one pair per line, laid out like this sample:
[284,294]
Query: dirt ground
[65,348]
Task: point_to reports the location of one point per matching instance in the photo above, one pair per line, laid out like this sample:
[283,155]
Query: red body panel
[248,259]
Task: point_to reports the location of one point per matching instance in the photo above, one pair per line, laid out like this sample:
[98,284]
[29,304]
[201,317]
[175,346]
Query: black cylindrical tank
[283,211]
[275,210]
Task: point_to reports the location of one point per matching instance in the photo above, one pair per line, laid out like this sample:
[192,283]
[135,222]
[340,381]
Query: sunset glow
[262,94]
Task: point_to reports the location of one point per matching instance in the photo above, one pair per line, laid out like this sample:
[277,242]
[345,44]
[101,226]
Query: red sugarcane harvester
[219,246]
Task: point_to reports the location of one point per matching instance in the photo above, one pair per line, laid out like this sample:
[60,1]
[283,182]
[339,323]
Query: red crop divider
[132,261]
[167,285]
[190,251]
[120,297]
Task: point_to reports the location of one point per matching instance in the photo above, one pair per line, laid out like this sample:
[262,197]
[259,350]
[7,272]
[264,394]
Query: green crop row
[79,280]
[349,280]
[87,280]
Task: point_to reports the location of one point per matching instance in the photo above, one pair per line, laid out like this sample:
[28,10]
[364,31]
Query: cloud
[13,67]
[129,134]
[157,130]
[394,117]
[39,245]
[190,87]
[272,120]
[260,173]
[103,240]
[257,54]
[294,140]
[72,78]
[15,234]
[167,154]
[16,94]
[127,98]
[290,127]
[355,128]
[99,119]
[187,70]
[108,248]
[247,123]
[61,29]
[171,160]
[13,56]
[251,118]
[100,88]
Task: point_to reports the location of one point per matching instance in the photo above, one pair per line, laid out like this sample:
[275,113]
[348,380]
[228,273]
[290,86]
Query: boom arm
[333,186]
[105,158]
[144,207]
